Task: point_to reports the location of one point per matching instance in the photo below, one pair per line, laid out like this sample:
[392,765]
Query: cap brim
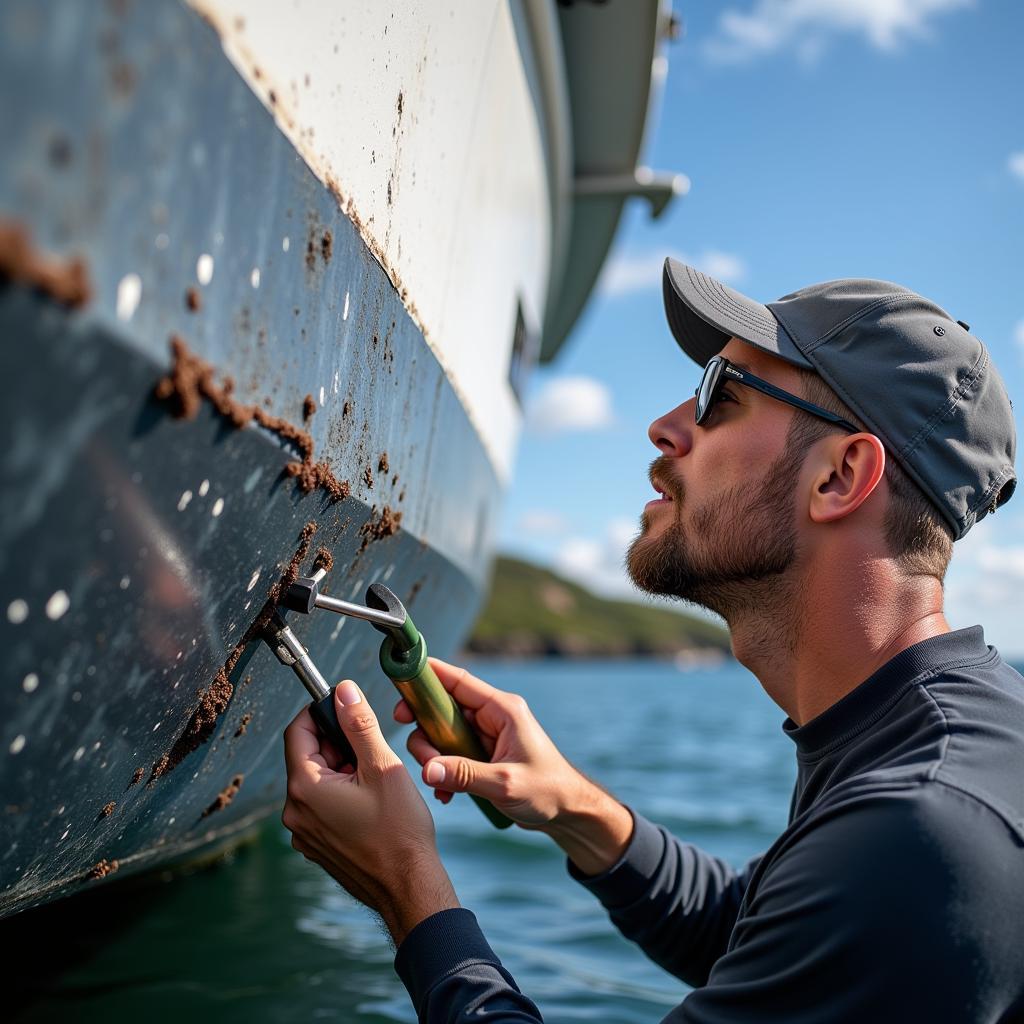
[704,314]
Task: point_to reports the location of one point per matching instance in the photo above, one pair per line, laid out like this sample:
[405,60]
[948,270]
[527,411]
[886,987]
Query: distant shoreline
[531,613]
[704,658]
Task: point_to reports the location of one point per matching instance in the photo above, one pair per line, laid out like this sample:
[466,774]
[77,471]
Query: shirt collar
[866,702]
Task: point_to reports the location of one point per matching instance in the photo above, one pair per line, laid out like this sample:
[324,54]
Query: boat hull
[137,548]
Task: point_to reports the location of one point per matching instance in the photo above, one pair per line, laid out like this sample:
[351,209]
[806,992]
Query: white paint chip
[218,507]
[58,604]
[285,244]
[17,611]
[17,744]
[334,386]
[30,682]
[67,832]
[129,292]
[321,394]
[204,269]
[125,583]
[203,488]
[79,754]
[157,726]
[254,277]
[184,500]
[252,581]
[344,315]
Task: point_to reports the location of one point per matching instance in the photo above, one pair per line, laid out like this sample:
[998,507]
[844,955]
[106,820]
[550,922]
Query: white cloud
[579,557]
[808,26]
[724,266]
[986,580]
[989,587]
[599,565]
[541,522]
[571,403]
[636,272]
[1015,163]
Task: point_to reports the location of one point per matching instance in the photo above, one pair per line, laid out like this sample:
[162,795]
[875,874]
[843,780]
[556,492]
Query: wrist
[593,830]
[420,896]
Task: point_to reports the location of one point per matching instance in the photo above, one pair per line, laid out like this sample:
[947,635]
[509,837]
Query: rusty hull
[136,548]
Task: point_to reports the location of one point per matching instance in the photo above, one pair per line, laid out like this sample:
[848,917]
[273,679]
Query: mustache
[660,475]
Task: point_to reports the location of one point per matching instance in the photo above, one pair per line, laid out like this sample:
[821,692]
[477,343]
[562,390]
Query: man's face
[727,515]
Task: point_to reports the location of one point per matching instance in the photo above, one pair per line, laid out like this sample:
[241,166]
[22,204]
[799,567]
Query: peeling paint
[129,294]
[57,605]
[204,269]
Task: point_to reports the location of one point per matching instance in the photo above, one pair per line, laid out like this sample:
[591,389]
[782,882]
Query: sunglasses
[720,371]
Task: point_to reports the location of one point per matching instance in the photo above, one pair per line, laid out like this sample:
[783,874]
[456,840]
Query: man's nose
[672,434]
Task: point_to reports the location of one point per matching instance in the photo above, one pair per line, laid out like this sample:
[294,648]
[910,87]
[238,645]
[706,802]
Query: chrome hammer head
[385,612]
[301,596]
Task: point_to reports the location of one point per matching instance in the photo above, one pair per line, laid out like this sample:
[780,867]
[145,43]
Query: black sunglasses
[719,371]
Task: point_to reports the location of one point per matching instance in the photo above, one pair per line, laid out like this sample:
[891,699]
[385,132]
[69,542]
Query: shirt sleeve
[887,907]
[454,977]
[676,902]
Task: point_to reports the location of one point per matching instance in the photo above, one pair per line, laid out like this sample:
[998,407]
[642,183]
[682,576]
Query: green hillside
[532,612]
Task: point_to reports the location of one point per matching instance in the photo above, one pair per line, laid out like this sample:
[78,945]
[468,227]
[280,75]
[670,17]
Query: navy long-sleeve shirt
[895,893]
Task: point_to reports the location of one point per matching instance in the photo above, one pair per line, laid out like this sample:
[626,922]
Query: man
[839,442]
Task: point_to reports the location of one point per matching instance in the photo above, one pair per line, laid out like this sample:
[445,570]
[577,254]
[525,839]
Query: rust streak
[192,379]
[66,282]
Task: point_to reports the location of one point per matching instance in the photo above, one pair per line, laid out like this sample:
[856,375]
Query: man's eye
[725,396]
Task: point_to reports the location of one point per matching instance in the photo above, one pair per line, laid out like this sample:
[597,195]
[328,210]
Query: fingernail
[435,773]
[349,693]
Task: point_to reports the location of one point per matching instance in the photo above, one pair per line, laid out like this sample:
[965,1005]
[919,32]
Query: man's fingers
[467,690]
[302,744]
[420,747]
[464,775]
[488,708]
[403,713]
[359,724]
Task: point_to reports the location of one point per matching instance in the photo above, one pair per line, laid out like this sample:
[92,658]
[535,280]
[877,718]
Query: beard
[735,555]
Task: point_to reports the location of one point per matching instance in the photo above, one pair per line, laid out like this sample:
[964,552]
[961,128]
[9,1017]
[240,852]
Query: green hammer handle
[439,717]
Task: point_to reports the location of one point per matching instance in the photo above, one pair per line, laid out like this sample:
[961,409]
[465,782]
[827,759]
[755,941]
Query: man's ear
[848,471]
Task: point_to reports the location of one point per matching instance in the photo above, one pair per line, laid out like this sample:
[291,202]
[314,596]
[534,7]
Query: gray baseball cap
[916,377]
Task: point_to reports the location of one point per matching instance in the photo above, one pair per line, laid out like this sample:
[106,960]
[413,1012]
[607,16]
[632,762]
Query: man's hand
[368,828]
[527,779]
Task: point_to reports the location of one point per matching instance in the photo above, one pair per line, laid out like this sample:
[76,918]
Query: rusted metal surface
[136,548]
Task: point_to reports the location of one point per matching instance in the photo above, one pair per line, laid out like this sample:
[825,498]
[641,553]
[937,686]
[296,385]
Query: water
[269,937]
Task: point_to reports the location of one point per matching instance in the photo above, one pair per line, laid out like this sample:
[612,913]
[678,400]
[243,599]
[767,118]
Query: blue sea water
[267,936]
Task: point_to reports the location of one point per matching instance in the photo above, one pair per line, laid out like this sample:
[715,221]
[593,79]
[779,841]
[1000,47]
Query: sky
[822,139]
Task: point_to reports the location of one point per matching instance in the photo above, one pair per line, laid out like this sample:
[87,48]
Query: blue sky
[823,139]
